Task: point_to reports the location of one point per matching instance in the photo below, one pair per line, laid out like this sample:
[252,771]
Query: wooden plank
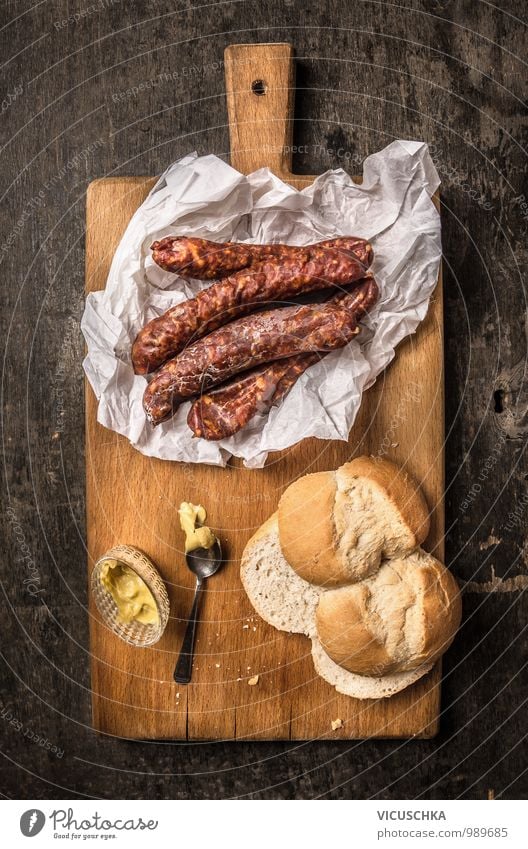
[260,88]
[132,498]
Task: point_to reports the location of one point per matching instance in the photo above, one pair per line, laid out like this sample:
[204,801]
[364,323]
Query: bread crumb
[337,723]
[217,665]
[491,540]
[253,681]
[244,627]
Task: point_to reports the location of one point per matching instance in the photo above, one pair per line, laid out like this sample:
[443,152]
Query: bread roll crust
[307,535]
[442,610]
[329,521]
[404,616]
[344,633]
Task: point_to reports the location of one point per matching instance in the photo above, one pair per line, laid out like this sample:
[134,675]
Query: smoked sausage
[226,410]
[308,270]
[202,259]
[253,340]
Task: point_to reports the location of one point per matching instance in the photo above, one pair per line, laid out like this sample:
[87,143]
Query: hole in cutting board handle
[258,87]
[498,397]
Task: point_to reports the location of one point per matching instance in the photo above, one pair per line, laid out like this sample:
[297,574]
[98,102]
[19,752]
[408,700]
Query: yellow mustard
[197,534]
[132,596]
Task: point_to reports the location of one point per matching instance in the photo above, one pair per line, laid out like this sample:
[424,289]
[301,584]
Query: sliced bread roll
[336,527]
[277,593]
[362,686]
[289,603]
[406,615]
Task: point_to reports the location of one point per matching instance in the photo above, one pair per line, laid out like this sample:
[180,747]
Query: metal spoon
[204,562]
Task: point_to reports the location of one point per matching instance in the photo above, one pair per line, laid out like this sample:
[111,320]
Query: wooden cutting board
[134,499]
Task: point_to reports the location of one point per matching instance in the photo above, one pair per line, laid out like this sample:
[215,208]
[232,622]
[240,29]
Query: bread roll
[406,615]
[289,603]
[340,562]
[336,527]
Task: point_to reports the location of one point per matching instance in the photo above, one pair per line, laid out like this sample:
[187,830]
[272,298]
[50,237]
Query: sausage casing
[224,411]
[248,342]
[202,259]
[308,270]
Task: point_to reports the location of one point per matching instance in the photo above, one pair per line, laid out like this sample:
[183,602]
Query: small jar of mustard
[130,595]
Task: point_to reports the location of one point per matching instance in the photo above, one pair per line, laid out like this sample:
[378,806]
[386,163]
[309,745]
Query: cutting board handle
[260,93]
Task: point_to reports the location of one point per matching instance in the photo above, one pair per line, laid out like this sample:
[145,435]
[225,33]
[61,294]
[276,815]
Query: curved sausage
[224,411]
[311,269]
[251,341]
[202,259]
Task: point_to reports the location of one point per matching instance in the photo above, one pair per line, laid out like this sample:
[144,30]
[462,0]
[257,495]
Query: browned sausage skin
[226,410]
[251,341]
[301,270]
[202,259]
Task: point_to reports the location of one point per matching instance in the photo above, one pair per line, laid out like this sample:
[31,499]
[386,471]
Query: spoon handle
[183,671]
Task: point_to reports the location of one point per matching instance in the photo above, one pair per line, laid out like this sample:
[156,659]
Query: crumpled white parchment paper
[203,196]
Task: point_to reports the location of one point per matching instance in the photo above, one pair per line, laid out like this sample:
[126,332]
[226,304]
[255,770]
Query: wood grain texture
[260,80]
[134,499]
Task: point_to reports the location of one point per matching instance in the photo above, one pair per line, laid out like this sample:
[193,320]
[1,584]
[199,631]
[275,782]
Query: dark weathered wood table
[90,90]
